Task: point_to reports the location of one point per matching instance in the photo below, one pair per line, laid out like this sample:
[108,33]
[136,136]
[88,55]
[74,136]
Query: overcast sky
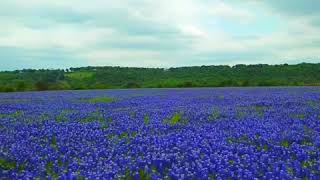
[157,33]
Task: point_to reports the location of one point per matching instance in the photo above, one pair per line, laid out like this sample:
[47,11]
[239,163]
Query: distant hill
[304,74]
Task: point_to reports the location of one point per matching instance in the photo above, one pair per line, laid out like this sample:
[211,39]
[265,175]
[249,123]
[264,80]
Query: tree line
[304,74]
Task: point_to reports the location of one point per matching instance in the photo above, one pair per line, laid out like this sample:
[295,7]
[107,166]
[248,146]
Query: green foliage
[285,143]
[60,85]
[123,135]
[101,100]
[81,178]
[127,175]
[197,76]
[132,85]
[143,175]
[53,142]
[215,114]
[259,110]
[20,85]
[7,164]
[42,85]
[146,119]
[298,115]
[174,119]
[8,89]
[94,116]
[240,112]
[22,167]
[80,75]
[50,171]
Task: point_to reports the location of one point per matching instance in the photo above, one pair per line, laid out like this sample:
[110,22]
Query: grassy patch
[312,103]
[142,175]
[212,176]
[255,109]
[50,171]
[240,112]
[127,175]
[81,178]
[308,163]
[259,110]
[94,116]
[62,116]
[221,97]
[290,170]
[133,114]
[285,143]
[44,117]
[298,115]
[106,124]
[176,118]
[15,114]
[215,114]
[22,167]
[146,119]
[53,142]
[123,135]
[7,164]
[101,100]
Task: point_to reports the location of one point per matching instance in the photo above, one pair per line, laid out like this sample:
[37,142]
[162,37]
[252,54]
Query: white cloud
[122,57]
[156,33]
[228,12]
[193,31]
[62,36]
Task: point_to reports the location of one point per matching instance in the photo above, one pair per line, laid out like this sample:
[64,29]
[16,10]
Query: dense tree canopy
[124,77]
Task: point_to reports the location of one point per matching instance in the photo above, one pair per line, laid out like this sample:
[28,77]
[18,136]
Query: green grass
[142,175]
[146,119]
[62,116]
[53,142]
[308,163]
[290,170]
[284,143]
[81,178]
[259,110]
[133,114]
[7,164]
[254,109]
[312,103]
[176,118]
[215,114]
[212,176]
[298,115]
[50,171]
[101,99]
[123,135]
[22,167]
[105,123]
[127,175]
[94,116]
[240,112]
[15,114]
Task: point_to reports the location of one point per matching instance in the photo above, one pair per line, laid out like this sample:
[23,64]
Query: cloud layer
[61,34]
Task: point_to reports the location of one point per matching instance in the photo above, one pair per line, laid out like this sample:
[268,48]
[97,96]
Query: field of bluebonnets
[205,133]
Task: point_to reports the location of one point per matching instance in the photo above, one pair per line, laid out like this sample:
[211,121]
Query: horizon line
[172,67]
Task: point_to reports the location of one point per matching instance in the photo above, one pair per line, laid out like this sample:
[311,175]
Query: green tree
[42,85]
[20,85]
